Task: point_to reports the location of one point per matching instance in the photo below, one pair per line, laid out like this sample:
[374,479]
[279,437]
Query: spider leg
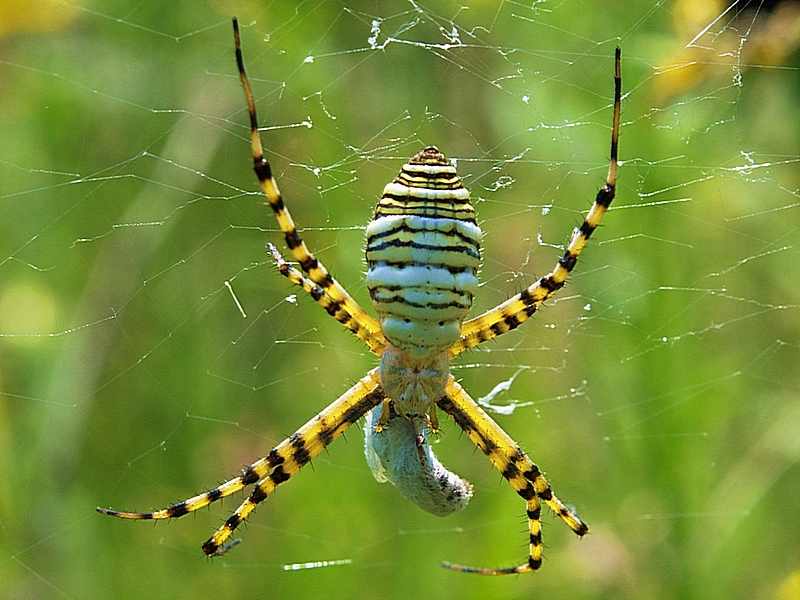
[297,450]
[375,341]
[511,313]
[249,476]
[309,263]
[281,463]
[515,466]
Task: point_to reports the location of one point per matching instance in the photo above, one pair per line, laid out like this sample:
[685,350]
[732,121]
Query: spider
[423,253]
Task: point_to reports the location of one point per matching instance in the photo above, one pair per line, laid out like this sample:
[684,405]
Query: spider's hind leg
[308,262]
[517,309]
[374,340]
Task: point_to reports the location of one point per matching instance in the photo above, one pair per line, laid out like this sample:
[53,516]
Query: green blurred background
[659,392]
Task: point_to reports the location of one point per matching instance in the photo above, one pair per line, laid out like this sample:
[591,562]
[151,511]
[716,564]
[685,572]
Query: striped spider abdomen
[423,253]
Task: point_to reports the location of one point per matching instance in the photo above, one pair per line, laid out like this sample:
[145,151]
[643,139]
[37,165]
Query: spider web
[149,349]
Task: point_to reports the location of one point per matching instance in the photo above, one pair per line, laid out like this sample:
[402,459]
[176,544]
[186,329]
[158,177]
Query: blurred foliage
[659,392]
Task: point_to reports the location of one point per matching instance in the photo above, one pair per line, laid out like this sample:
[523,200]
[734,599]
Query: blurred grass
[664,379]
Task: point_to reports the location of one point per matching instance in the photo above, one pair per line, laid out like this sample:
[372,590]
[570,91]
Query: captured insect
[423,253]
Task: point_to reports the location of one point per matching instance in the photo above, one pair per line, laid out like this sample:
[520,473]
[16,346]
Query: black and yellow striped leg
[515,466]
[252,474]
[374,341]
[308,262]
[297,450]
[514,311]
[281,463]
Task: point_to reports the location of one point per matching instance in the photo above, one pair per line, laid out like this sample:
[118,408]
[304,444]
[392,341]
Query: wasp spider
[423,252]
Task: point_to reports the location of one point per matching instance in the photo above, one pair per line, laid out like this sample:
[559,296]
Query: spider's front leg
[515,466]
[286,459]
[299,449]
